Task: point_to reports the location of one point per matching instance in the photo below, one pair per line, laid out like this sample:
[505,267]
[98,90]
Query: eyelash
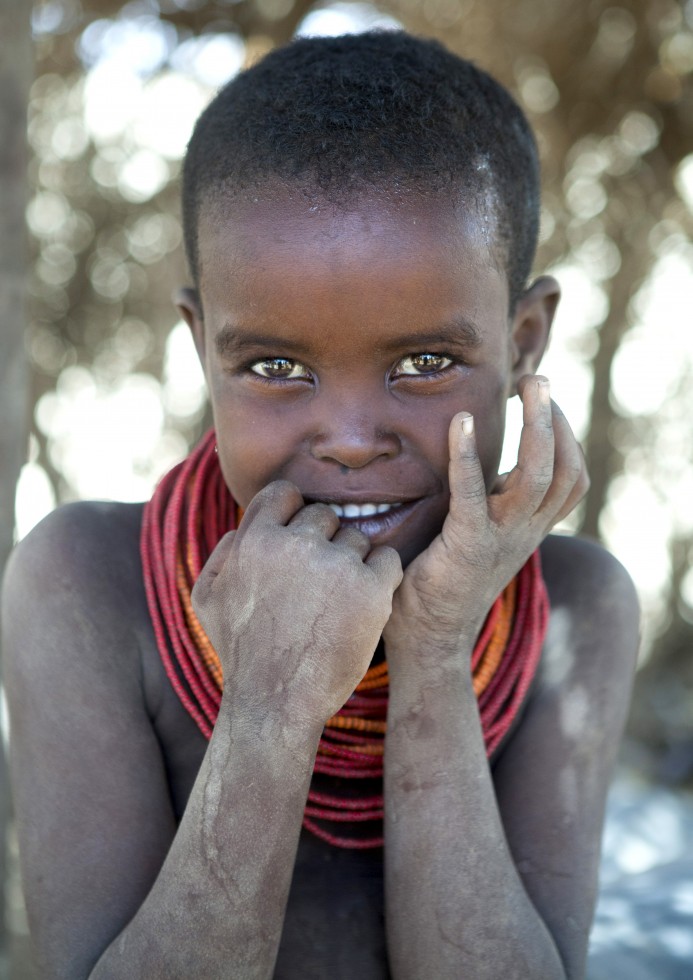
[424,374]
[306,375]
[287,360]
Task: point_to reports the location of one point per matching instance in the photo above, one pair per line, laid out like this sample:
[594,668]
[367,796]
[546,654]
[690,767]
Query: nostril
[355,456]
[353,447]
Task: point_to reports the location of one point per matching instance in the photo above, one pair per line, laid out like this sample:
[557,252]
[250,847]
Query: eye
[280,368]
[424,363]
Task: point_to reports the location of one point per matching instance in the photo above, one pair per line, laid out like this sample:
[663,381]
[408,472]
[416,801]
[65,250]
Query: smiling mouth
[352,510]
[384,522]
[378,520]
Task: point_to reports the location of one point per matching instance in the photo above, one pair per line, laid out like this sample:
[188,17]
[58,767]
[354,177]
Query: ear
[531,326]
[188,304]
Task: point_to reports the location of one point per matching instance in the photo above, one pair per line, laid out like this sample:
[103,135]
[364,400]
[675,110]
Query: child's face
[338,346]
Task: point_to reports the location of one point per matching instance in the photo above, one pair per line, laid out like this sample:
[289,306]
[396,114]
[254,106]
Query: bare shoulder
[595,613]
[581,694]
[74,618]
[578,569]
[80,538]
[77,570]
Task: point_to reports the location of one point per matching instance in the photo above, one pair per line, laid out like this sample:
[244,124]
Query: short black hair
[340,116]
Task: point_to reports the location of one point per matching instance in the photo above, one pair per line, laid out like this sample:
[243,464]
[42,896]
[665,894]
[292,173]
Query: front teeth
[361,510]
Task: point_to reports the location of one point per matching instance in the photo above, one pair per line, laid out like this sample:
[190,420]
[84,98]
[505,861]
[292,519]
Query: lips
[387,517]
[378,520]
[354,510]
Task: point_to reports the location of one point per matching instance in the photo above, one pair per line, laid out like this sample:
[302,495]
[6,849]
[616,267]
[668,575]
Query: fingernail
[544,389]
[467,425]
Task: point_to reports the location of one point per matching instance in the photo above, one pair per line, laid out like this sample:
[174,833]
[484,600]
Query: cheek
[250,450]
[248,461]
[238,466]
[489,412]
[255,439]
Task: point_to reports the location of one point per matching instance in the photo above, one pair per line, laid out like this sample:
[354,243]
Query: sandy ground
[643,928]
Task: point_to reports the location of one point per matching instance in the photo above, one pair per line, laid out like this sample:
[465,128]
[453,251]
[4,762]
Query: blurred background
[100,390]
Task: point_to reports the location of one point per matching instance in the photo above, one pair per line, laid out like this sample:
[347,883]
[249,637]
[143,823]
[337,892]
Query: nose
[352,436]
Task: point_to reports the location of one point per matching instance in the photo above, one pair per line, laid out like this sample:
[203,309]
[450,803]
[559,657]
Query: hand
[294,606]
[448,590]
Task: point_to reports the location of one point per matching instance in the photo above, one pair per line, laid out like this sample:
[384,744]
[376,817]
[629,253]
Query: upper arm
[93,811]
[553,777]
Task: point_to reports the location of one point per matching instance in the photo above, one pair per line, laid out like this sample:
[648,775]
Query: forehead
[381,257]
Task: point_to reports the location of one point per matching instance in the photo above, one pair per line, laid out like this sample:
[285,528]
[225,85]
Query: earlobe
[188,304]
[531,326]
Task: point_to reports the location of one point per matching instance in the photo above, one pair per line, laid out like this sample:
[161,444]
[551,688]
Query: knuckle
[583,484]
[544,424]
[198,595]
[319,509]
[282,487]
[225,542]
[277,490]
[355,537]
[471,491]
[468,456]
[540,480]
[303,542]
[574,471]
[394,570]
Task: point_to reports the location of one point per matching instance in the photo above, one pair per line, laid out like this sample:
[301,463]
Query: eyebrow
[460,332]
[233,340]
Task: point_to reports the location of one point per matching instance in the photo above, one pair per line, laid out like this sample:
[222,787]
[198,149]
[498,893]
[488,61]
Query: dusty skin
[350,357]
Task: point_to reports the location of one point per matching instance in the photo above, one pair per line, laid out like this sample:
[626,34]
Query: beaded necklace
[190,511]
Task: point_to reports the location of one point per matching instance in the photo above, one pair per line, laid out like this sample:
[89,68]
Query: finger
[574,499]
[316,517]
[275,504]
[386,564]
[571,481]
[467,485]
[212,567]
[531,478]
[500,482]
[353,539]
[216,560]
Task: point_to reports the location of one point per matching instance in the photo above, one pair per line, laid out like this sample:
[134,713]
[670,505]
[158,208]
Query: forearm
[217,907]
[455,903]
